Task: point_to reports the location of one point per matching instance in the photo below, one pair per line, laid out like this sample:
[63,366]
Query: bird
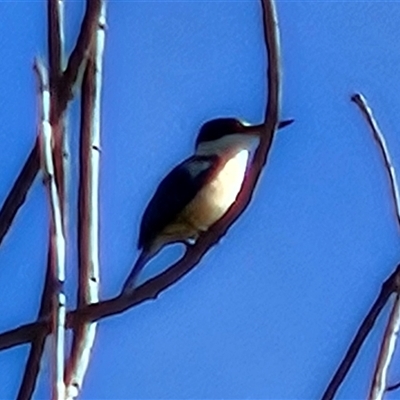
[199,191]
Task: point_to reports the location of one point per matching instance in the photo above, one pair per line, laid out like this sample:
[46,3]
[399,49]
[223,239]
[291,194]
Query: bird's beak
[257,129]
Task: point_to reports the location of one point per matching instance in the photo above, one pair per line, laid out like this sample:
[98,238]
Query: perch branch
[194,254]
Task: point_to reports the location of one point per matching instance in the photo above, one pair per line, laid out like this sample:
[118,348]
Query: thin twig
[88,222]
[393,387]
[360,100]
[57,234]
[378,385]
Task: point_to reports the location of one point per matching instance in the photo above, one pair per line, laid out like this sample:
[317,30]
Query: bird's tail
[130,282]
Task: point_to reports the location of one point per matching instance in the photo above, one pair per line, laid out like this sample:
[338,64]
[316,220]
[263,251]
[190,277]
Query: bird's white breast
[215,198]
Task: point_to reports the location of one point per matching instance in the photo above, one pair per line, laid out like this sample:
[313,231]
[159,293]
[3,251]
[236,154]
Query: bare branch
[81,51]
[393,387]
[388,287]
[55,40]
[18,192]
[378,386]
[35,354]
[57,235]
[88,222]
[360,100]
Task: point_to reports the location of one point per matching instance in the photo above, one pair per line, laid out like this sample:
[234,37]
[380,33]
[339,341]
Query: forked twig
[390,286]
[378,385]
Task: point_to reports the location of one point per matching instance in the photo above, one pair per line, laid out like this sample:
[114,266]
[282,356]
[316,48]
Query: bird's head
[218,128]
[221,133]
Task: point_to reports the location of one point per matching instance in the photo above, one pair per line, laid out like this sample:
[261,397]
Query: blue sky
[270,311]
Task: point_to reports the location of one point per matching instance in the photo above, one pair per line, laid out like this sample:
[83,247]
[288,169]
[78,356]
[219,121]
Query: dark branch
[18,192]
[81,51]
[393,387]
[54,40]
[35,354]
[388,287]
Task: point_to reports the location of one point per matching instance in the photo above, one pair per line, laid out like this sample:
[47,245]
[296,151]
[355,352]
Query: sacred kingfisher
[199,191]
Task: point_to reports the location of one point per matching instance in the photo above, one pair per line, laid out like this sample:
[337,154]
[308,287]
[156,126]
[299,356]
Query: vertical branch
[88,223]
[55,39]
[272,47]
[273,89]
[55,34]
[57,240]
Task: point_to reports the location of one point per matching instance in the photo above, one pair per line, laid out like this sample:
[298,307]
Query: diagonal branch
[18,192]
[35,354]
[81,51]
[388,287]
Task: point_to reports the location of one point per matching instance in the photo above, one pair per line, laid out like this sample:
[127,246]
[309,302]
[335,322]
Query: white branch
[89,210]
[386,352]
[57,235]
[378,385]
[360,100]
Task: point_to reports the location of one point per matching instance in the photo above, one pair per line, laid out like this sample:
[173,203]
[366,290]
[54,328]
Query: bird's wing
[175,191]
